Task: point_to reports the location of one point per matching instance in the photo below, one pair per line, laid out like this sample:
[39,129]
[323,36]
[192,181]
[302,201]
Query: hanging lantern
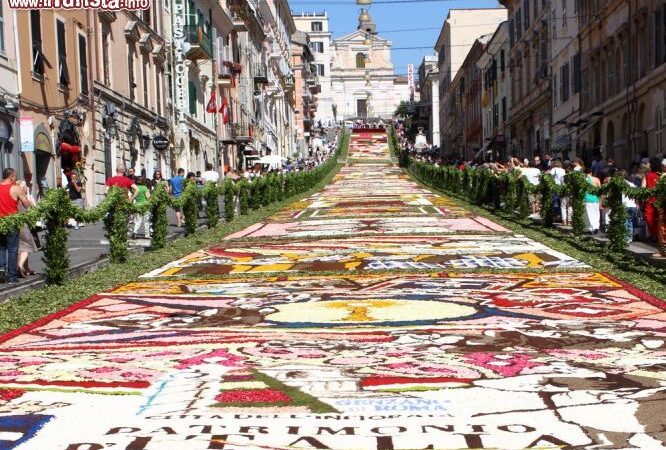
[368,40]
[364,2]
[368,60]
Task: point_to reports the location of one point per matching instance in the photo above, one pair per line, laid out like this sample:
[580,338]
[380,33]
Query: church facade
[363,80]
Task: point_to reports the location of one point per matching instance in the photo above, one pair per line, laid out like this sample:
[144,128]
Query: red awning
[68,148]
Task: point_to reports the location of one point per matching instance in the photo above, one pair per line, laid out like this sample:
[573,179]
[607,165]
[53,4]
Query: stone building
[317,26]
[623,79]
[463,130]
[10,145]
[131,103]
[362,76]
[56,95]
[305,93]
[459,32]
[496,94]
[530,110]
[565,78]
[428,87]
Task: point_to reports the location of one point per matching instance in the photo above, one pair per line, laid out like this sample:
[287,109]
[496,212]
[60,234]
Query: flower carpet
[372,315]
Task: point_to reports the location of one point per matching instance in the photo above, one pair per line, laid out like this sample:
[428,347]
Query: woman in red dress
[650,181]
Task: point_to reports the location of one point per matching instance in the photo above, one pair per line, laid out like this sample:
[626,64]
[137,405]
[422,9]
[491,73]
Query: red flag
[224,109]
[212,103]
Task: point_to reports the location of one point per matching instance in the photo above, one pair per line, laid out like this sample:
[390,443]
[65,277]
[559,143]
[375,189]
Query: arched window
[360,60]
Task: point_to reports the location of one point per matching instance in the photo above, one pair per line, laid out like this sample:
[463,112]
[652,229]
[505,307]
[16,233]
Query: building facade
[11,154]
[496,94]
[459,32]
[428,86]
[530,111]
[306,87]
[56,96]
[565,78]
[317,26]
[623,79]
[362,76]
[131,102]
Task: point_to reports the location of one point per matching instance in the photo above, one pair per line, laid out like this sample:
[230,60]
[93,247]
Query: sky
[391,18]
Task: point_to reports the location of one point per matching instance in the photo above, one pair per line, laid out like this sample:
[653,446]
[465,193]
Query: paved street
[372,315]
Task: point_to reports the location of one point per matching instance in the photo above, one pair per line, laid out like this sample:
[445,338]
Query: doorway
[362,107]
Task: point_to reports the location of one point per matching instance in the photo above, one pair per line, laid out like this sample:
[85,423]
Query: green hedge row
[510,191]
[115,211]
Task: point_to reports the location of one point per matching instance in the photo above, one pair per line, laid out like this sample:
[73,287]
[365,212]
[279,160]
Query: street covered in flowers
[374,314]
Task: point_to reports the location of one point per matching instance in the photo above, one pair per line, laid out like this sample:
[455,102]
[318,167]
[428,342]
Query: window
[317,47]
[36,35]
[63,73]
[106,68]
[158,90]
[565,82]
[503,109]
[146,16]
[659,129]
[555,89]
[130,70]
[610,89]
[576,73]
[2,30]
[360,60]
[519,24]
[526,11]
[564,13]
[512,36]
[502,60]
[658,37]
[144,79]
[317,26]
[83,64]
[193,97]
[321,71]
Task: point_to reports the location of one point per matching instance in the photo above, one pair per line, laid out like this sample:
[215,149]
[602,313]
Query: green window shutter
[193,98]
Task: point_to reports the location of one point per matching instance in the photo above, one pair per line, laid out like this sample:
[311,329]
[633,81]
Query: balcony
[275,51]
[260,73]
[201,44]
[241,133]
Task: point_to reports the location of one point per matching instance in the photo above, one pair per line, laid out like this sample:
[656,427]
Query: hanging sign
[27,134]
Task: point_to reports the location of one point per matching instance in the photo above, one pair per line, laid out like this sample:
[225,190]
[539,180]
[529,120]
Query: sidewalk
[88,251]
[638,249]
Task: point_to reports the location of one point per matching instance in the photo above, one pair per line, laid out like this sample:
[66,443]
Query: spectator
[159,180]
[27,242]
[177,186]
[650,209]
[630,207]
[122,182]
[210,175]
[10,196]
[592,207]
[141,199]
[75,189]
[131,174]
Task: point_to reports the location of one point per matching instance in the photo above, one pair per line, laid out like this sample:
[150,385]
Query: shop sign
[160,142]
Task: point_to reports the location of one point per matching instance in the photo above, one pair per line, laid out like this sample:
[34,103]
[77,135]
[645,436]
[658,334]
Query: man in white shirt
[210,174]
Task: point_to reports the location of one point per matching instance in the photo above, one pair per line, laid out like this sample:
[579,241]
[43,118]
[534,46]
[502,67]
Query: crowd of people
[642,223]
[15,196]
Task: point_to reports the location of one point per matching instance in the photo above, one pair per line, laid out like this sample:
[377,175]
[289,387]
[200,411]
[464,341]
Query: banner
[212,103]
[27,134]
[224,109]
